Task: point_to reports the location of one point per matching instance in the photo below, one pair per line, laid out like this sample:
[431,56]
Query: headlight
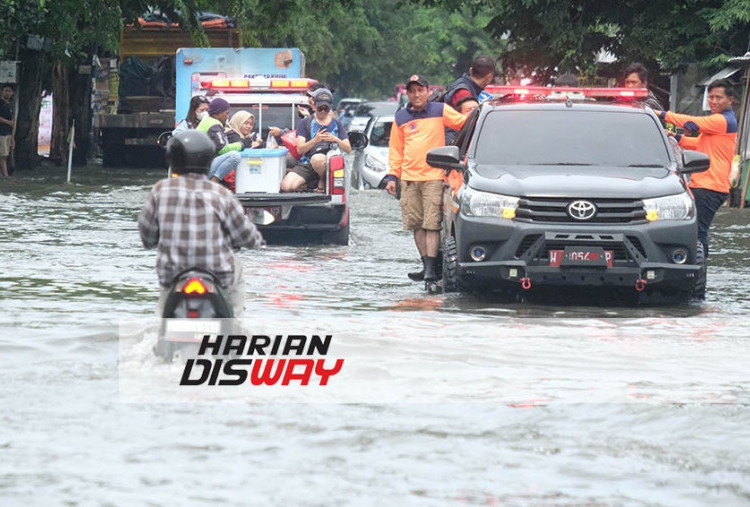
[671,207]
[374,163]
[485,204]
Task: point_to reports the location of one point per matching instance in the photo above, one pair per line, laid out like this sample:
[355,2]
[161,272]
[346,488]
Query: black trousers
[707,203]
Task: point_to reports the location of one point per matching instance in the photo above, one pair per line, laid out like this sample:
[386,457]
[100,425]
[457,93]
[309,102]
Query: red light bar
[634,93]
[257,84]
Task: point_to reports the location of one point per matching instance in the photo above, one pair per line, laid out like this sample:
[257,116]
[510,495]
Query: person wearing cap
[418,128]
[227,154]
[316,135]
[305,111]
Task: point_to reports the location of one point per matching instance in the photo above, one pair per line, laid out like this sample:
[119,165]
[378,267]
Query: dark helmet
[190,151]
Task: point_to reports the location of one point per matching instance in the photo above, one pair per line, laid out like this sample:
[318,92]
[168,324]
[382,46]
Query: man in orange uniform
[717,138]
[416,129]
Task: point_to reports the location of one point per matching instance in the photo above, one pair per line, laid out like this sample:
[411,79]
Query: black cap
[419,79]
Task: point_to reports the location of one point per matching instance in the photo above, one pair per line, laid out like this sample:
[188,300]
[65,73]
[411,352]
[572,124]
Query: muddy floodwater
[495,402]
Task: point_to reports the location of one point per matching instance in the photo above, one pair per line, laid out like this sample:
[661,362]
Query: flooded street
[499,403]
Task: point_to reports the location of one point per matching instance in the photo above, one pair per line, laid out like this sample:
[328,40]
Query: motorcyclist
[194,223]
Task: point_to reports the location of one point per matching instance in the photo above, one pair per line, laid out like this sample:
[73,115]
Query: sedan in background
[370,165]
[369,110]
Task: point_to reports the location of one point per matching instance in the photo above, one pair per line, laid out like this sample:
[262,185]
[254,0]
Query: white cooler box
[261,170]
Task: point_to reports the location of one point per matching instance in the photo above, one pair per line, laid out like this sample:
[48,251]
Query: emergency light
[257,84]
[546,91]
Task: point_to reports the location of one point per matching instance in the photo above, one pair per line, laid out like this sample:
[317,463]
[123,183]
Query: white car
[366,111]
[371,164]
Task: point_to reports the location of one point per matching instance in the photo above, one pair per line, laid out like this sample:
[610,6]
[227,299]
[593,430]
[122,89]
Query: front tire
[699,288]
[451,279]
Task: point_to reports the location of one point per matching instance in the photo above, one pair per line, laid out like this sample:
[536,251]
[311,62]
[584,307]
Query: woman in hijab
[241,126]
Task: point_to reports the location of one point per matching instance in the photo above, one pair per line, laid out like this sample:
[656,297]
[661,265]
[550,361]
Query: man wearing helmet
[194,223]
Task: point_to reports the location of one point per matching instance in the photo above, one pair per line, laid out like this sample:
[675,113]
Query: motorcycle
[196,305]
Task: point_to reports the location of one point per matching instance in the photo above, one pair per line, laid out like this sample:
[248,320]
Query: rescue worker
[416,129]
[471,84]
[717,138]
[469,87]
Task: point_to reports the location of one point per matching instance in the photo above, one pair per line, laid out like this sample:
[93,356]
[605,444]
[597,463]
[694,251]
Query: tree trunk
[72,102]
[80,105]
[58,149]
[34,65]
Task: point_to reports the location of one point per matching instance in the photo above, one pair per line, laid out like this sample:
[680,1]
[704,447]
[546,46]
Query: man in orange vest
[416,129]
[717,138]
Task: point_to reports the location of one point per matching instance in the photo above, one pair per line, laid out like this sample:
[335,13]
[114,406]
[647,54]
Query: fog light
[478,253]
[679,256]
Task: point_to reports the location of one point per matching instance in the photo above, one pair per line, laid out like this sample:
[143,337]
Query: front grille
[553,210]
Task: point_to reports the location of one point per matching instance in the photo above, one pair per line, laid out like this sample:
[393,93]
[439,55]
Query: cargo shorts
[5,145]
[422,205]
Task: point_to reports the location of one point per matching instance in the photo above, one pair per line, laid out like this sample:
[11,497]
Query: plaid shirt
[194,222]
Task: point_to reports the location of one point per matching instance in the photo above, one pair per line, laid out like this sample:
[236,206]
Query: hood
[380,152]
[577,181]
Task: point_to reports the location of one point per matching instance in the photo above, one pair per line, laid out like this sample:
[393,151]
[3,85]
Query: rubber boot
[418,276]
[430,275]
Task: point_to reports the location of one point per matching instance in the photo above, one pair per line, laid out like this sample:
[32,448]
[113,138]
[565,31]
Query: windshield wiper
[646,165]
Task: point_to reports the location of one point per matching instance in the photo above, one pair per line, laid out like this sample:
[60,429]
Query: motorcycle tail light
[194,286]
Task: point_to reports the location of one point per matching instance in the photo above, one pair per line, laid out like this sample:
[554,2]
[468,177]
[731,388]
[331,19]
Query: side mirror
[164,137]
[358,140]
[694,162]
[445,157]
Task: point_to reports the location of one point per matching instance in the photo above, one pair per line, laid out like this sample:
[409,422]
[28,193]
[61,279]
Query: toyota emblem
[581,210]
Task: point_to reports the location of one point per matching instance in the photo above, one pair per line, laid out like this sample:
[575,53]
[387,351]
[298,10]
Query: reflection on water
[73,267]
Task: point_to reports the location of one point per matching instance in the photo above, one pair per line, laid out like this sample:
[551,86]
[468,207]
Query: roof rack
[566,92]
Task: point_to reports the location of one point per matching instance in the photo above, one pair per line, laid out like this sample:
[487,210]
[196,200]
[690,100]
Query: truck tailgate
[254,199]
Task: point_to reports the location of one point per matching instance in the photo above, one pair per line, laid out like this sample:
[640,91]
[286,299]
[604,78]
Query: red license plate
[581,256]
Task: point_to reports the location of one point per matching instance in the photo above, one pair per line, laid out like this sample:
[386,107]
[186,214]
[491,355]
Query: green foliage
[364,47]
[668,34]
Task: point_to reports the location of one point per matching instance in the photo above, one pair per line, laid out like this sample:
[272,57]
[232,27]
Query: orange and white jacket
[717,138]
[413,134]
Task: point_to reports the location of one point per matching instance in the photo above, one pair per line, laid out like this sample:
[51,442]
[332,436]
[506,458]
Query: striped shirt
[195,223]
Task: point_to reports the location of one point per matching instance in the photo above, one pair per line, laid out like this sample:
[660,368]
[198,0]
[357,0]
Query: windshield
[270,115]
[376,109]
[381,133]
[565,137]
